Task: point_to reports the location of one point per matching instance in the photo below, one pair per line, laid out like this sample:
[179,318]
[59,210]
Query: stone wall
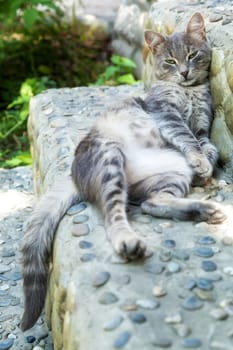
[96,300]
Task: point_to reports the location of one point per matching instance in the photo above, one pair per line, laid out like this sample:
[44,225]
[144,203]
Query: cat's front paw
[130,246]
[211,152]
[200,164]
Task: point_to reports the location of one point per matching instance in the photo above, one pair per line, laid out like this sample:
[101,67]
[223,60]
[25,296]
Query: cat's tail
[37,246]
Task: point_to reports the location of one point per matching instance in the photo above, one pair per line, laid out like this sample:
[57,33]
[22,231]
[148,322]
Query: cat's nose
[184,73]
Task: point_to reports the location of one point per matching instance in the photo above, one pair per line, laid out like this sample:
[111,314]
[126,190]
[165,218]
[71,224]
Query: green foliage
[120,72]
[13,122]
[38,50]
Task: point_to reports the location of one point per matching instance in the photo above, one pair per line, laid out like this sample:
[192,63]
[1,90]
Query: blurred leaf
[20,159]
[44,69]
[123,61]
[30,16]
[126,79]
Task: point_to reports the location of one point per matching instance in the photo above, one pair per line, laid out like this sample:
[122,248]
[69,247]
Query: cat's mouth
[188,82]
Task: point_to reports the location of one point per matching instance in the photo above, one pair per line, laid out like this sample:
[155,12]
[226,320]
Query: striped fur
[146,151]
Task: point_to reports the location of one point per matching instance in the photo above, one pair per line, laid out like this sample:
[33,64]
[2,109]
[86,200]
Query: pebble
[165,255]
[173,319]
[158,229]
[159,291]
[189,284]
[216,249]
[228,270]
[122,340]
[80,230]
[208,265]
[206,240]
[15,301]
[192,303]
[87,257]
[166,224]
[162,342]
[4,287]
[155,268]
[205,284]
[173,267]
[137,317]
[42,335]
[123,280]
[4,268]
[16,276]
[101,278]
[181,254]
[4,278]
[30,339]
[191,343]
[204,294]
[85,244]
[147,304]
[215,17]
[8,253]
[182,330]
[227,240]
[219,314]
[169,243]
[108,298]
[6,344]
[220,196]
[129,307]
[80,219]
[77,208]
[113,324]
[5,303]
[204,252]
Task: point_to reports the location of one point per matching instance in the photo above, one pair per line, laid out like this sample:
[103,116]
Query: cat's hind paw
[131,247]
[211,212]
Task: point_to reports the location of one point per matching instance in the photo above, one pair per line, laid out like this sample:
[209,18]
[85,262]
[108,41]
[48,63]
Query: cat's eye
[192,55]
[170,61]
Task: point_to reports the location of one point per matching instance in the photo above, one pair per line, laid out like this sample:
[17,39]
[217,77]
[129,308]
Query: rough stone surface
[16,202]
[75,308]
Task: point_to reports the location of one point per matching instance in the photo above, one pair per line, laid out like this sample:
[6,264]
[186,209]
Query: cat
[144,150]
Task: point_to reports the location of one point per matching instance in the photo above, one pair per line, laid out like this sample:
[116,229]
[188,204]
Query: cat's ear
[196,26]
[153,39]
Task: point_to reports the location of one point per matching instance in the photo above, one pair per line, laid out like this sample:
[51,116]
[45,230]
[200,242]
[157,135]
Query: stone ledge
[143,317]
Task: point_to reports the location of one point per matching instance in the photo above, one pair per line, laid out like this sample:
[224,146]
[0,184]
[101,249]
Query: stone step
[96,299]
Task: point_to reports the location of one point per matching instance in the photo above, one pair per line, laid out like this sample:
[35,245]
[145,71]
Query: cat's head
[184,57]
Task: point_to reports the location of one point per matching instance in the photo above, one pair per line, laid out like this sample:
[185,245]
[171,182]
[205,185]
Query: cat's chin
[190,82]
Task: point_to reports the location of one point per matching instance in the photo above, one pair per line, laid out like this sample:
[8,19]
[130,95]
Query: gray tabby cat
[146,151]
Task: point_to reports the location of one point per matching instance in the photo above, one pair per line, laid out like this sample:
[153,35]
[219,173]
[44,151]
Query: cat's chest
[195,97]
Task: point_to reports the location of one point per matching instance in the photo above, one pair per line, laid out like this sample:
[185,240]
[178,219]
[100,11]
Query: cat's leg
[168,206]
[209,150]
[161,192]
[99,173]
[166,199]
